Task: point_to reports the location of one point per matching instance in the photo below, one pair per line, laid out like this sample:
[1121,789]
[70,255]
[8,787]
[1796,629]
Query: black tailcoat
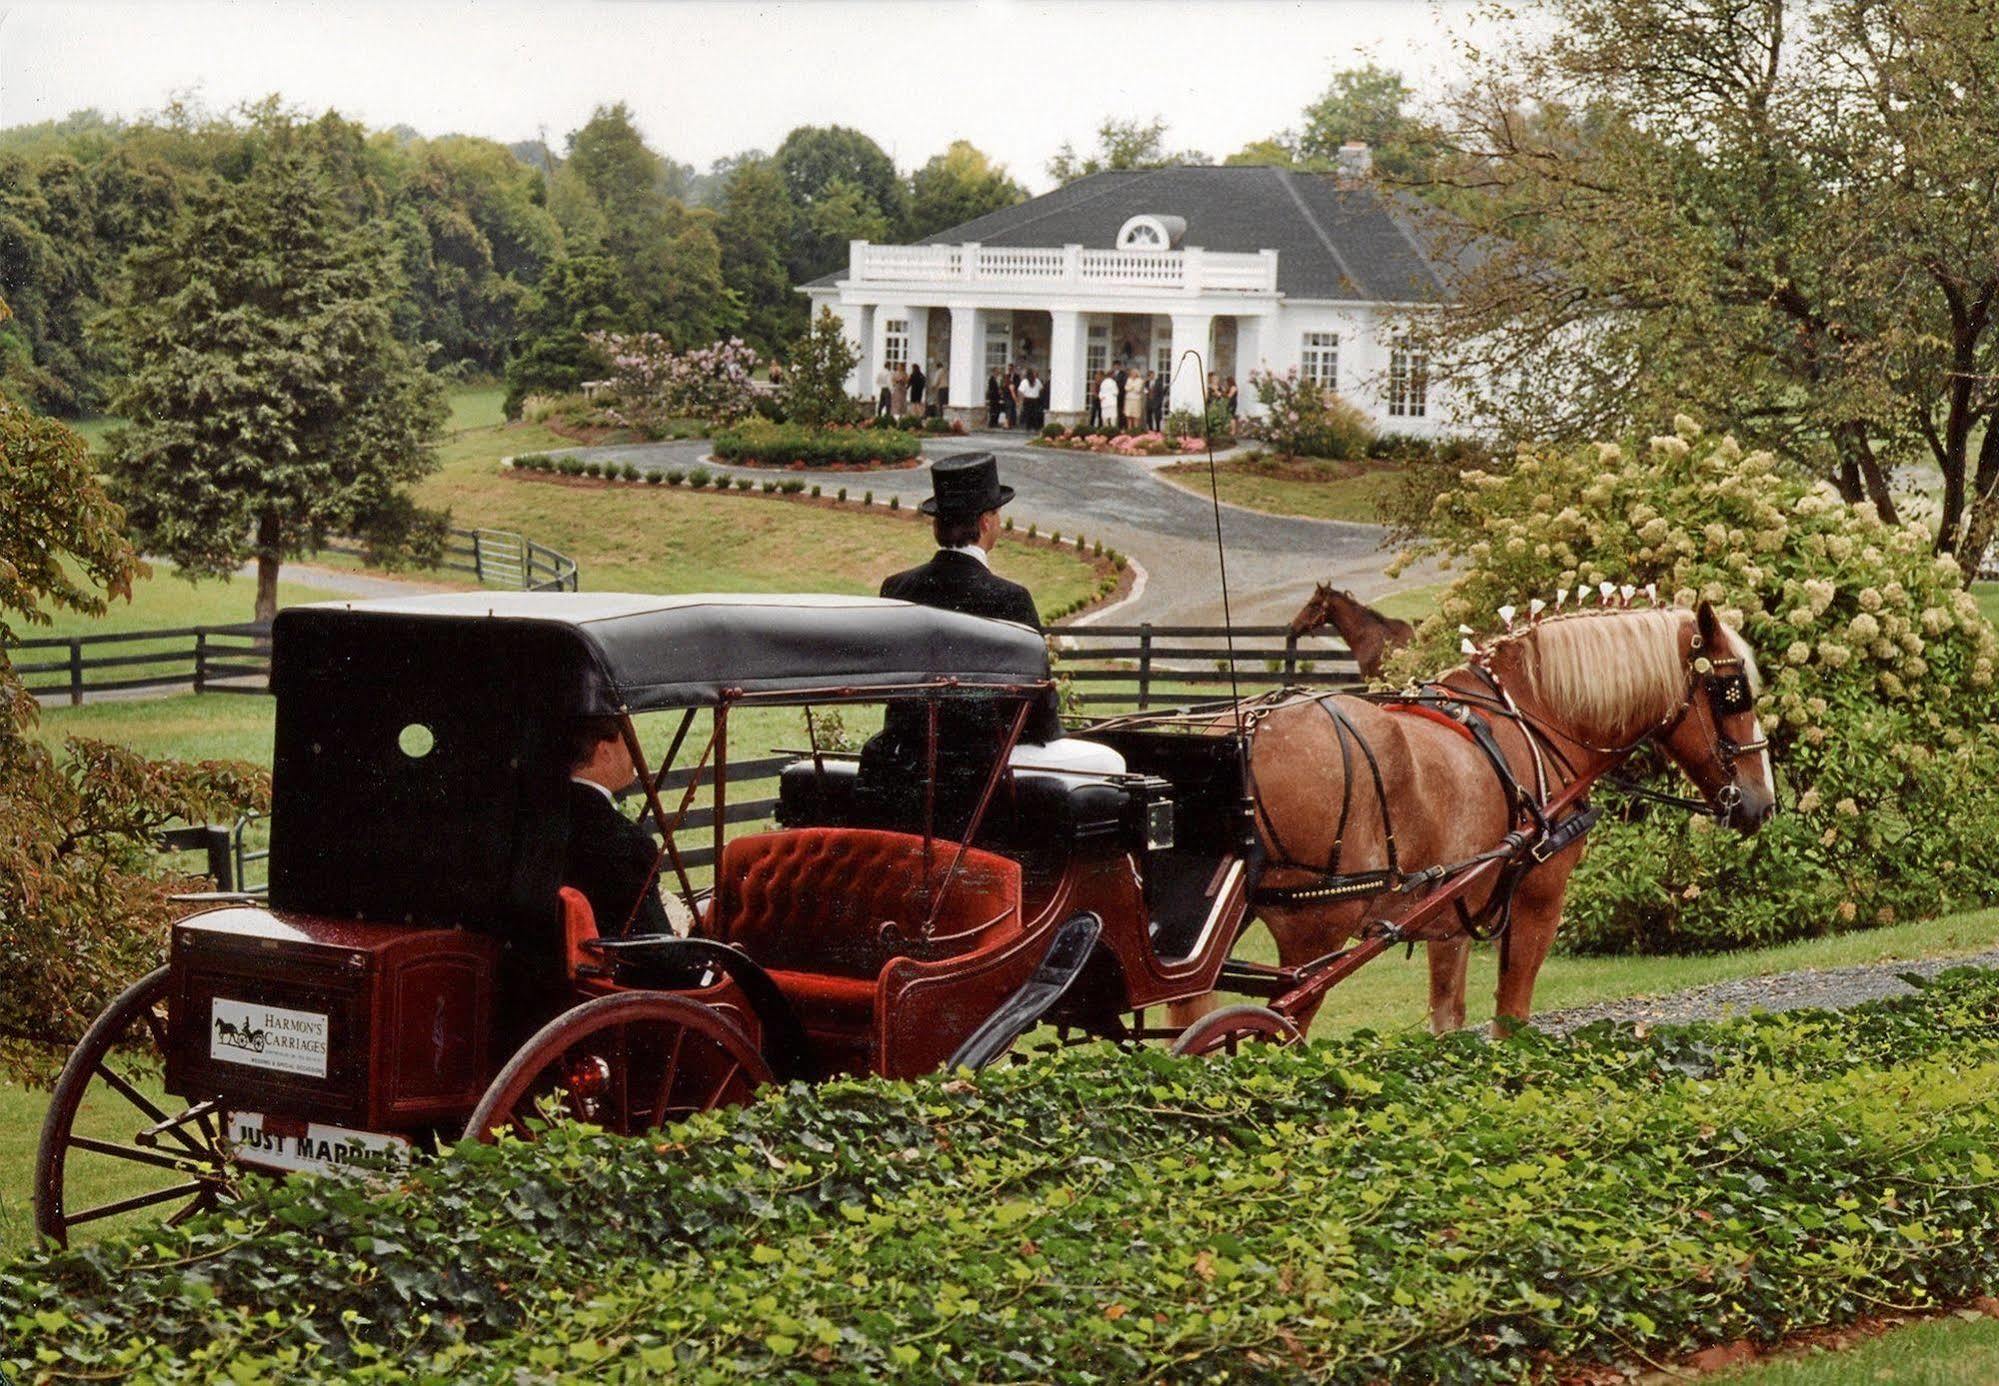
[610,860]
[969,731]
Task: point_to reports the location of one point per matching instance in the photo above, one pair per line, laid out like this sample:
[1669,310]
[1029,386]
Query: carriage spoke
[119,1084]
[623,1079]
[670,1072]
[734,1070]
[201,1203]
[133,1204]
[157,1025]
[138,1154]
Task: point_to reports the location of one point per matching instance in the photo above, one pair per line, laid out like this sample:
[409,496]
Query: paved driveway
[1272,560]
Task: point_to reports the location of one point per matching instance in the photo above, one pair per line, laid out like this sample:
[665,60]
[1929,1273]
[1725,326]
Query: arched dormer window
[1148,232]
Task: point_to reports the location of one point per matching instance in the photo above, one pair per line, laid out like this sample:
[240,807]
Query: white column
[1190,334]
[1065,364]
[968,382]
[857,326]
[1248,357]
[919,339]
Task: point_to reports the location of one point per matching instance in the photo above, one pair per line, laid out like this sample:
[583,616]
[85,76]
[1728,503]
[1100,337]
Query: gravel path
[1170,530]
[1834,987]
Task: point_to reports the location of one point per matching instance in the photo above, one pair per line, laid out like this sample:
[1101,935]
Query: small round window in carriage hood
[415,740]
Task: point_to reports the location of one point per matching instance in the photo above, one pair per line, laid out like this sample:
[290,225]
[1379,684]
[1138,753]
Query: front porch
[1067,312]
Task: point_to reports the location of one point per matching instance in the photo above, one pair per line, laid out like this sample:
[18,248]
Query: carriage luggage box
[381,1027]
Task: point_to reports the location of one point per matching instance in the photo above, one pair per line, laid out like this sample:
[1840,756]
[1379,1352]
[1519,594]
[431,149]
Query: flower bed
[762,444]
[1377,1208]
[1150,444]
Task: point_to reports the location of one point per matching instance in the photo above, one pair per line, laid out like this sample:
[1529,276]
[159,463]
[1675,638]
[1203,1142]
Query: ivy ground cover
[1367,1209]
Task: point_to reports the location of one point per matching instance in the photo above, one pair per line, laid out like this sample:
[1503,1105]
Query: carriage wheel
[628,1063]
[108,1144]
[1225,1031]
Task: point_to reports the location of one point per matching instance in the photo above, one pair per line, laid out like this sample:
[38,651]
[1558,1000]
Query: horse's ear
[1708,625]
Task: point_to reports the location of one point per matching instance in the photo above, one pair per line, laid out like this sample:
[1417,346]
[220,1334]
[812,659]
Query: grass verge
[1315,489]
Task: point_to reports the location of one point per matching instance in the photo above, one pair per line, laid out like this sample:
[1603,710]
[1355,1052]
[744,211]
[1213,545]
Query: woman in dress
[898,401]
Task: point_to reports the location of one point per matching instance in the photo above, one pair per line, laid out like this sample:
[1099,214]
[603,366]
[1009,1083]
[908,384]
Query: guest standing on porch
[995,398]
[883,381]
[1103,408]
[917,382]
[940,389]
[899,390]
[1030,401]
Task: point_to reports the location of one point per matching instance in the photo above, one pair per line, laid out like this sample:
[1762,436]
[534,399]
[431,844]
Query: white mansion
[1250,267]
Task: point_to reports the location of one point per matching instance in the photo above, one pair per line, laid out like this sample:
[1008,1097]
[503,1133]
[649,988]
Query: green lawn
[667,539]
[1948,1351]
[1316,490]
[1986,594]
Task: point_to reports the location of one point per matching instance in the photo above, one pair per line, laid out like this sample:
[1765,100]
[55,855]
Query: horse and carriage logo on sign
[244,1036]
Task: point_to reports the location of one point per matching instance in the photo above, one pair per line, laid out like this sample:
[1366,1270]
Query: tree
[956,186]
[822,162]
[273,402]
[755,230]
[475,238]
[1785,215]
[612,198]
[82,906]
[1122,144]
[1370,103]
[815,382]
[554,354]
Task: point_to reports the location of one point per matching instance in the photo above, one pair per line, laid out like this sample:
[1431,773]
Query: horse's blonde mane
[1610,676]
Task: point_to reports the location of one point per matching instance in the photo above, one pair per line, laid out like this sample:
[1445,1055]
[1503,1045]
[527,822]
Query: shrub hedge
[1880,694]
[1372,1209]
[781,445]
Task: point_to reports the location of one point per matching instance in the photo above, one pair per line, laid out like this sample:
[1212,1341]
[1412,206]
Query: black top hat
[965,484]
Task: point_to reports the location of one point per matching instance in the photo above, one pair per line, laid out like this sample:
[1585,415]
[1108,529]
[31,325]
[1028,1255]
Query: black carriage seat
[1034,813]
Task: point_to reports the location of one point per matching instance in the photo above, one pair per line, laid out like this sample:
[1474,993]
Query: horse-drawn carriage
[419,971]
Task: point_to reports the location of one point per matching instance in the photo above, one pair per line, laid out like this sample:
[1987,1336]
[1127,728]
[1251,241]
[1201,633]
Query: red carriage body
[419,971]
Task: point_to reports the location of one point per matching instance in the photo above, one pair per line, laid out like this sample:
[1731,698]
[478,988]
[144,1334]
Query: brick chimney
[1356,162]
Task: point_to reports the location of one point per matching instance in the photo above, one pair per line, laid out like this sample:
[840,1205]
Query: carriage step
[1060,966]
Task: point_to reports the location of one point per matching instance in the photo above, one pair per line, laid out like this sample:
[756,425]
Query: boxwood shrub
[781,445]
[1369,1209]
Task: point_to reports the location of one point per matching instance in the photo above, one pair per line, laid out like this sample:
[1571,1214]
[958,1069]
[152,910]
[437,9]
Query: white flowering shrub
[654,384]
[1878,695]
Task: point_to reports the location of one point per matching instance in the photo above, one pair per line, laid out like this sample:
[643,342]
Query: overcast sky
[709,79]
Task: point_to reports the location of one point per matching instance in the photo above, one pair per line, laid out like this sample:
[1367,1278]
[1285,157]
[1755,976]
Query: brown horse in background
[1566,698]
[1370,635]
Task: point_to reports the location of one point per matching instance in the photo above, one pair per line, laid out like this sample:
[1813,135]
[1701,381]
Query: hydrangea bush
[655,384]
[1878,692]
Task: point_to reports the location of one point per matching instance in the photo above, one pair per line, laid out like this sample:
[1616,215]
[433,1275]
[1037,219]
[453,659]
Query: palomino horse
[1345,786]
[1370,635]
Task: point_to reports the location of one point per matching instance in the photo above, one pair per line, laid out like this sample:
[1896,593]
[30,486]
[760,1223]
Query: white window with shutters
[895,341]
[999,341]
[1319,359]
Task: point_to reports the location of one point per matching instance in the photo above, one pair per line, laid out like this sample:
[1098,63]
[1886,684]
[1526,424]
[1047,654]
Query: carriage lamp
[587,1080]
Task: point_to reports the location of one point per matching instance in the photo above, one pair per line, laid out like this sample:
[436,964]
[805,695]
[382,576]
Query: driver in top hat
[964,506]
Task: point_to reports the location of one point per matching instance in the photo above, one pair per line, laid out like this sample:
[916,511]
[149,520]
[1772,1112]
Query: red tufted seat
[844,901]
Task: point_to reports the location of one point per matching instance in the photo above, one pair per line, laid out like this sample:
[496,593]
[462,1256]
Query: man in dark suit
[611,859]
[964,510]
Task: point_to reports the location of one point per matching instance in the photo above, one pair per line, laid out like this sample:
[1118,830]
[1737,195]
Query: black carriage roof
[643,653]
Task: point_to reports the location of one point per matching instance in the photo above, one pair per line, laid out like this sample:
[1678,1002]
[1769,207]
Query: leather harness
[1545,823]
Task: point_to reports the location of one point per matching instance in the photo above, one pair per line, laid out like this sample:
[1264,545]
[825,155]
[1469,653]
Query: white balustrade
[1190,271]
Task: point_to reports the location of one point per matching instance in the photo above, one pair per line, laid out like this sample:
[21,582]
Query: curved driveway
[1272,560]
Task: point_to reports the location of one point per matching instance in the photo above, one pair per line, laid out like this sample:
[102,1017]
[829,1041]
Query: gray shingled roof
[1333,241]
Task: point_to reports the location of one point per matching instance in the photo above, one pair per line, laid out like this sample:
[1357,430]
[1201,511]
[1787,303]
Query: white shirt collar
[974,551]
[609,797]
